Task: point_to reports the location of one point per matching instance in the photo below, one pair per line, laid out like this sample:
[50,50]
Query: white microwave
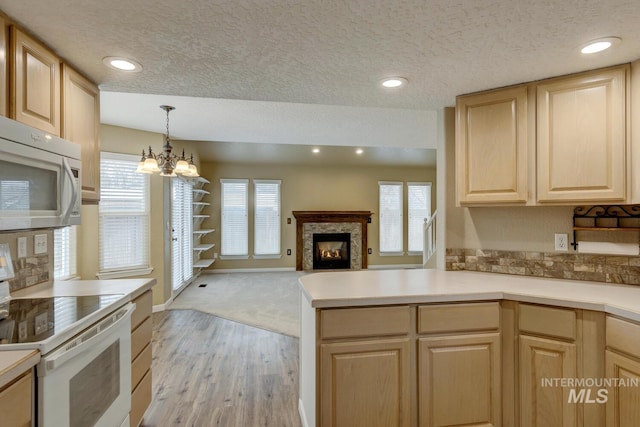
[40,184]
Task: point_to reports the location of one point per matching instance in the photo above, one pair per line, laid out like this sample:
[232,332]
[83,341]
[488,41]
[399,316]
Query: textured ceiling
[328,52]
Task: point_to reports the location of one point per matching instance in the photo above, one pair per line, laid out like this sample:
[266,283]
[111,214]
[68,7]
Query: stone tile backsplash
[32,269]
[589,267]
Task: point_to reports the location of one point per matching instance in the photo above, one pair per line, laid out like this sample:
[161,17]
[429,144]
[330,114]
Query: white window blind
[124,214]
[267,217]
[419,207]
[182,231]
[64,253]
[235,226]
[391,228]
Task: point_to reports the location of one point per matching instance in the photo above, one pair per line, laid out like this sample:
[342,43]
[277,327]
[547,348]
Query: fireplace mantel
[302,217]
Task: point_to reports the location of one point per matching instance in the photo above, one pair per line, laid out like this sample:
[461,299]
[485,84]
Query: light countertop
[71,288]
[383,287]
[15,363]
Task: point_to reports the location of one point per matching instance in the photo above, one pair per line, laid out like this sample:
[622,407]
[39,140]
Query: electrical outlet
[40,244]
[288,251]
[41,323]
[562,242]
[22,247]
[22,331]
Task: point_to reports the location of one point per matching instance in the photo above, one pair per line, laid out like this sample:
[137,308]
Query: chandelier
[166,162]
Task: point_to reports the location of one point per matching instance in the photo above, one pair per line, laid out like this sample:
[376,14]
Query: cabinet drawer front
[140,400]
[458,317]
[623,336]
[140,338]
[549,321]
[361,322]
[140,366]
[143,309]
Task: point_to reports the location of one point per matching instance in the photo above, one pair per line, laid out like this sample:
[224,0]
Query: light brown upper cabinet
[582,137]
[35,84]
[4,81]
[558,141]
[81,118]
[491,147]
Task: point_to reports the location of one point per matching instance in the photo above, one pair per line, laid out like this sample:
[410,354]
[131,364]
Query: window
[124,215]
[267,218]
[391,229]
[235,225]
[419,201]
[64,249]
[182,231]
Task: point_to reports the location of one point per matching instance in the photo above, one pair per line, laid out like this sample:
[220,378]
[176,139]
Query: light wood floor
[209,371]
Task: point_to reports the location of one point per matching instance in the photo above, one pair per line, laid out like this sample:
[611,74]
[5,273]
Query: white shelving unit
[199,215]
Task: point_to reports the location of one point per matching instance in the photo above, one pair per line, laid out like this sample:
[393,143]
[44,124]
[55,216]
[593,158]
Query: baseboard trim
[303,416]
[393,266]
[248,270]
[161,307]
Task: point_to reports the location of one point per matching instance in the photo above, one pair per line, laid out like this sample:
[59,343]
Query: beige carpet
[266,300]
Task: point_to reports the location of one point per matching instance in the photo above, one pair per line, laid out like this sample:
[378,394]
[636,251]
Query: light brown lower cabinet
[16,402]
[475,364]
[366,383]
[542,359]
[623,403]
[140,358]
[459,380]
[622,360]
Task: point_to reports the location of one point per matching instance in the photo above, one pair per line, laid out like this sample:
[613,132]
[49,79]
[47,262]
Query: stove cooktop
[34,320]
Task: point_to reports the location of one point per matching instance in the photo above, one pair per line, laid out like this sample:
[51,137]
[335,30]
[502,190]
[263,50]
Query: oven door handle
[88,339]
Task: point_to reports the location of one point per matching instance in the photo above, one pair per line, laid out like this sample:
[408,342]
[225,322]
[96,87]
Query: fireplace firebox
[331,251]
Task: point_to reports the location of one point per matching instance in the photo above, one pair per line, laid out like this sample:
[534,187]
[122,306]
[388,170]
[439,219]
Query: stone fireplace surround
[310,222]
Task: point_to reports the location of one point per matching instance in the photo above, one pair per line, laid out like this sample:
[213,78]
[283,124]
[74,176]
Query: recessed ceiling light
[359,151]
[394,82]
[122,64]
[598,45]
[315,150]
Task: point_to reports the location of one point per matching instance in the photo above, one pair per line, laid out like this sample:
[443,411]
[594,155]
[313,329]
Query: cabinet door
[81,119]
[546,405]
[35,86]
[4,81]
[491,147]
[459,381]
[16,402]
[581,137]
[365,383]
[623,403]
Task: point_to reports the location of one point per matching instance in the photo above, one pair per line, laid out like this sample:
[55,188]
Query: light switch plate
[22,247]
[40,244]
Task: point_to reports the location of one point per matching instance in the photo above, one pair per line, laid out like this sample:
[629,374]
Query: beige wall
[128,141]
[311,188]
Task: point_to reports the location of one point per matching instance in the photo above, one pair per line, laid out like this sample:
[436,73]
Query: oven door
[87,381]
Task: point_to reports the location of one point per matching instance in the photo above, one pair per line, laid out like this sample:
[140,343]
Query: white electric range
[84,375]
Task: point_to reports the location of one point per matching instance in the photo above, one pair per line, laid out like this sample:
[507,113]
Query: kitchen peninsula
[432,347]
